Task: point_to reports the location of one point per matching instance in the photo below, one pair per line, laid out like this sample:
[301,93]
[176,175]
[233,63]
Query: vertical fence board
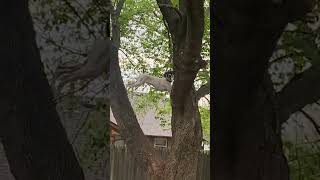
[124,167]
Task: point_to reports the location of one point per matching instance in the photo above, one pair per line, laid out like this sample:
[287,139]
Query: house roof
[149,125]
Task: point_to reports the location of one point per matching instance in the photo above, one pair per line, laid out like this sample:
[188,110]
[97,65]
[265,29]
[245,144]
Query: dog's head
[168,75]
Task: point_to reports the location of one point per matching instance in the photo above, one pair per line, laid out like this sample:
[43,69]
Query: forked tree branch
[187,48]
[195,25]
[171,15]
[115,23]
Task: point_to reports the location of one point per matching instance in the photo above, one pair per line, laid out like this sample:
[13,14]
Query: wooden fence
[123,167]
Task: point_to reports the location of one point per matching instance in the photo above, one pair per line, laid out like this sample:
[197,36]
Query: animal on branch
[95,65]
[160,84]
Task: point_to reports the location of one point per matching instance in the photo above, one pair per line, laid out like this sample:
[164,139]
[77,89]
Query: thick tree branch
[35,142]
[195,25]
[303,89]
[137,142]
[115,23]
[139,145]
[202,91]
[240,26]
[172,7]
[187,60]
[171,14]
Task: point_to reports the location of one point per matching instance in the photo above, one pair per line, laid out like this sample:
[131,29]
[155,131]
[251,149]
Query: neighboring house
[160,136]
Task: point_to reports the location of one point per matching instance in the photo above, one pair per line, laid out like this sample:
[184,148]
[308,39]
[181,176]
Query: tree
[186,26]
[130,128]
[249,112]
[187,135]
[186,127]
[34,140]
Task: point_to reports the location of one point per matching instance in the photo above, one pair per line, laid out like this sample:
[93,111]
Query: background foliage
[65,31]
[67,28]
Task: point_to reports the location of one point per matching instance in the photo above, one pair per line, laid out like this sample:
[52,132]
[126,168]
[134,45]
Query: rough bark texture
[186,29]
[34,140]
[186,125]
[247,140]
[138,144]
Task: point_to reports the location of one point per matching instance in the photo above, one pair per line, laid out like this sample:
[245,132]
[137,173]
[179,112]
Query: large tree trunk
[256,152]
[187,137]
[186,128]
[138,144]
[34,140]
[186,30]
[246,127]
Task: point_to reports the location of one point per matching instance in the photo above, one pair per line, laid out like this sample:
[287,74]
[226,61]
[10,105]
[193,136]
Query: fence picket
[124,167]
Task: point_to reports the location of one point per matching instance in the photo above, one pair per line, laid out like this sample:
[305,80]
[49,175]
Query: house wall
[115,136]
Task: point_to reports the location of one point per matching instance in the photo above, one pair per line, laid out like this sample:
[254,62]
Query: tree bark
[186,125]
[186,26]
[34,139]
[138,144]
[246,130]
[187,137]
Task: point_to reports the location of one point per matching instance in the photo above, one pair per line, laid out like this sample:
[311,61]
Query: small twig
[80,18]
[128,58]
